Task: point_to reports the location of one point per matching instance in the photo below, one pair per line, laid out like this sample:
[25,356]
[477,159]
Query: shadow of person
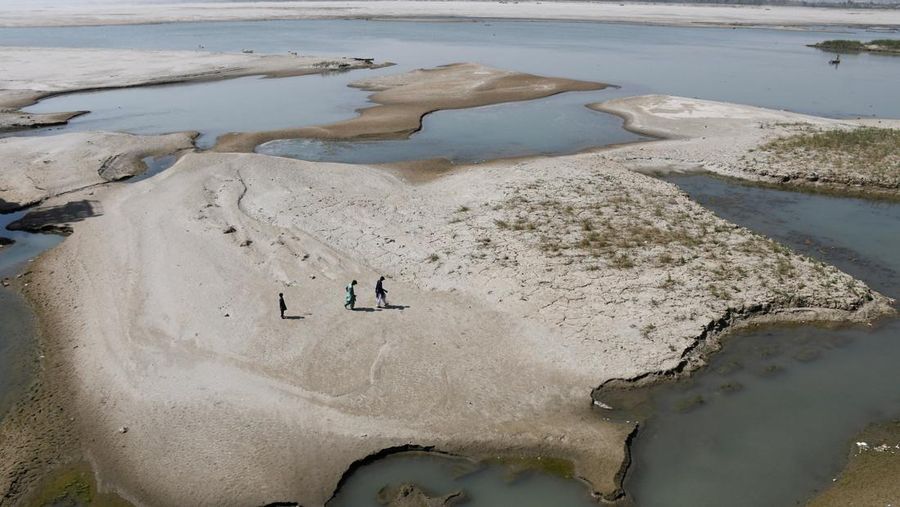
[395,307]
[293,317]
[363,309]
[56,219]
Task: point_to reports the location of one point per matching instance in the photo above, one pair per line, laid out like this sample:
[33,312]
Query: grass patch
[855,46]
[869,150]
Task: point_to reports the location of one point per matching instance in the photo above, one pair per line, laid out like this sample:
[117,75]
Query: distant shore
[612,12]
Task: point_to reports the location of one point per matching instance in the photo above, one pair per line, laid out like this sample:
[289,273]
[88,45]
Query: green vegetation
[868,150]
[554,466]
[73,485]
[855,46]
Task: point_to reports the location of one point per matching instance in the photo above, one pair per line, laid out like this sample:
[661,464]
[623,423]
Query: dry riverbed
[518,287]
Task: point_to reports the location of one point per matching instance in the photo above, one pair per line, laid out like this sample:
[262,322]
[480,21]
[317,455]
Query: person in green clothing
[350,297]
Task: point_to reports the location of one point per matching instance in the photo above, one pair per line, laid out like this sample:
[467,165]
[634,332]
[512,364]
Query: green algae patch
[73,485]
[550,465]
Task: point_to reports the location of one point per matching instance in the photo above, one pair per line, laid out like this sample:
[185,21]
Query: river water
[767,423]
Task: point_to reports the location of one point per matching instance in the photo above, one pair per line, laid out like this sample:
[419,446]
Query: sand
[519,287]
[623,12]
[730,138]
[870,477]
[493,349]
[29,74]
[404,99]
[38,168]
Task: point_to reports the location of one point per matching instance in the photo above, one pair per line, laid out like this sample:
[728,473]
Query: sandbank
[404,99]
[494,347]
[726,138]
[620,12]
[30,74]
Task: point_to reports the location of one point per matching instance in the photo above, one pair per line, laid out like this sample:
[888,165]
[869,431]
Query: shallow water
[771,68]
[556,125]
[483,485]
[17,345]
[212,108]
[768,422]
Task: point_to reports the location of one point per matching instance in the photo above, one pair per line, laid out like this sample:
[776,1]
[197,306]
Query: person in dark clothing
[281,305]
[380,293]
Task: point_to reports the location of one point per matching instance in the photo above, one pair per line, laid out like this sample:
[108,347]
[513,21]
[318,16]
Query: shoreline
[738,130]
[401,102]
[32,83]
[638,13]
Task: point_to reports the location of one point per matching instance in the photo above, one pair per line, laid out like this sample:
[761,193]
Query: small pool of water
[552,126]
[769,421]
[483,485]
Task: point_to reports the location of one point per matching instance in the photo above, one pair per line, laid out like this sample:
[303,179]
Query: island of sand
[517,288]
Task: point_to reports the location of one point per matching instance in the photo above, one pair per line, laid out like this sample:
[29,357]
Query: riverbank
[35,73]
[739,141]
[502,282]
[614,12]
[870,477]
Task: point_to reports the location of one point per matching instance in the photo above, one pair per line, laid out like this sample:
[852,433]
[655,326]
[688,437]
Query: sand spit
[726,138]
[29,74]
[520,286]
[24,14]
[405,98]
[37,168]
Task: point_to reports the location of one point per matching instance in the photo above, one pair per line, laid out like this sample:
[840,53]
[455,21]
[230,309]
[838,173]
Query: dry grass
[866,150]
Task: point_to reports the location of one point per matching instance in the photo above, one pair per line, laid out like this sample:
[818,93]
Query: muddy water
[769,420]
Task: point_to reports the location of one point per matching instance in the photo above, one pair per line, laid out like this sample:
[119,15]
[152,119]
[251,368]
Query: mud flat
[519,287]
[402,100]
[745,142]
[658,14]
[33,73]
[870,477]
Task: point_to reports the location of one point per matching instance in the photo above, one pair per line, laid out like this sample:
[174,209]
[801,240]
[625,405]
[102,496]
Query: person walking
[281,305]
[380,293]
[350,296]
